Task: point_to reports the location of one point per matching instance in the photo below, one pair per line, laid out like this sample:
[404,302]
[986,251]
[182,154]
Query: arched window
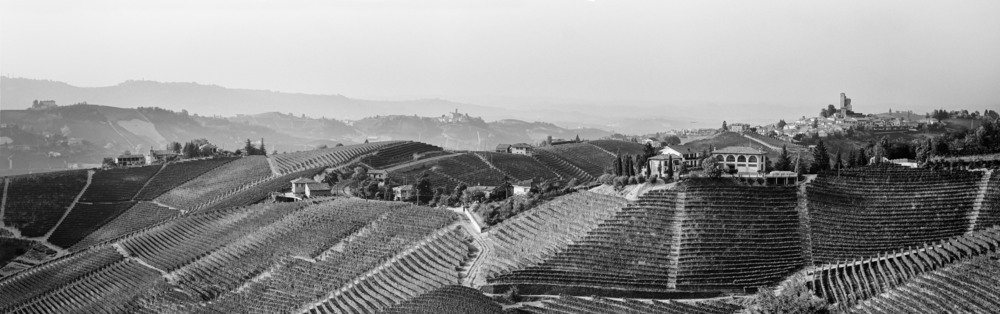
[741,159]
[753,158]
[719,158]
[730,158]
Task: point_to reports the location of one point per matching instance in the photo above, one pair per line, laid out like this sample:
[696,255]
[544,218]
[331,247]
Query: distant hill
[84,134]
[214,100]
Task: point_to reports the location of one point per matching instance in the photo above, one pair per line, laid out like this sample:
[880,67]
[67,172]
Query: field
[218,182]
[35,203]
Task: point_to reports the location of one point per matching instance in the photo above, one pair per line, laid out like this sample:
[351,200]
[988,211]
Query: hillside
[56,138]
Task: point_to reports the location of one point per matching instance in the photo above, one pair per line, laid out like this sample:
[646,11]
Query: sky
[771,55]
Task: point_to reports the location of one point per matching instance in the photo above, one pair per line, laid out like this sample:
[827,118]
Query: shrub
[794,298]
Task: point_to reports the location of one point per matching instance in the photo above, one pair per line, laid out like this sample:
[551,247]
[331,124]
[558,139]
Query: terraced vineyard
[861,213]
[696,238]
[219,182]
[519,167]
[120,184]
[233,259]
[260,191]
[562,167]
[589,158]
[298,161]
[989,212]
[937,278]
[868,240]
[139,216]
[84,219]
[447,300]
[737,237]
[570,304]
[177,173]
[619,147]
[399,153]
[35,203]
[531,237]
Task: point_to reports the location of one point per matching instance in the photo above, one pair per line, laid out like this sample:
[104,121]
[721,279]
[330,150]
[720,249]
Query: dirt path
[3,201]
[90,178]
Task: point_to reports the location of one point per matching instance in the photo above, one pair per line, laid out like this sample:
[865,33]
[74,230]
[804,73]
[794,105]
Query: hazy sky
[914,54]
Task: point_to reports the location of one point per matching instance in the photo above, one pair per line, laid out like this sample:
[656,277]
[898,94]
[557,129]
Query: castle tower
[845,103]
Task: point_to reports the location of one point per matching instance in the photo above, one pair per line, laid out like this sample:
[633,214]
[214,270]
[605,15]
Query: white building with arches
[745,160]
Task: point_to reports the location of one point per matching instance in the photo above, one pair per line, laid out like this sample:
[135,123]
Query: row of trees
[632,165]
[984,139]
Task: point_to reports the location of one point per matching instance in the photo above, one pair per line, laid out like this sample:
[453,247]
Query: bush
[632,180]
[794,298]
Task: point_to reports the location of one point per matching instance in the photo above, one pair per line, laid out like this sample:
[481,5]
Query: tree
[360,173]
[174,147]
[366,141]
[782,124]
[799,167]
[262,150]
[838,162]
[502,191]
[815,123]
[724,126]
[852,160]
[425,191]
[670,167]
[249,149]
[862,158]
[108,162]
[821,158]
[712,167]
[783,163]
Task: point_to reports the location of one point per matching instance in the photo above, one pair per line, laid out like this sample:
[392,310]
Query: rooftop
[303,180]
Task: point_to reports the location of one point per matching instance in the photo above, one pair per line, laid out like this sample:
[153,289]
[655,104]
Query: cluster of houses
[839,123]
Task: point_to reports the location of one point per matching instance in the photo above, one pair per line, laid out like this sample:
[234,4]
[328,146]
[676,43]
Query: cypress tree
[821,159]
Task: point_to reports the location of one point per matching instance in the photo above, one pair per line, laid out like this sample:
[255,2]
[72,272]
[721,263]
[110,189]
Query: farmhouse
[402,192]
[129,160]
[160,156]
[687,154]
[523,187]
[659,164]
[503,148]
[309,188]
[744,160]
[378,175]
